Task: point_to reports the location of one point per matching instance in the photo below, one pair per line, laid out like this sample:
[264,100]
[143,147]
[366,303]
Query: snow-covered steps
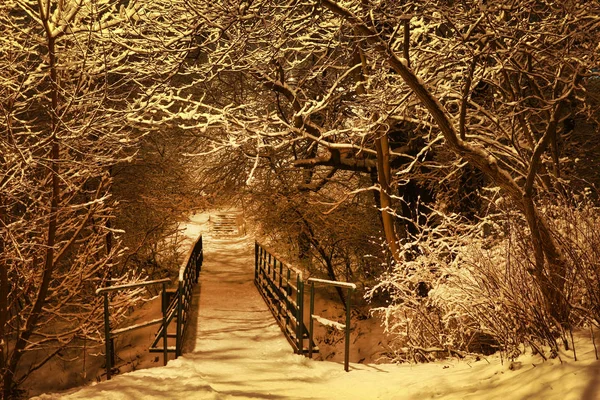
[228,224]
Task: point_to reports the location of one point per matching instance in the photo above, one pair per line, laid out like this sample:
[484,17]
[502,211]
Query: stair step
[225,224]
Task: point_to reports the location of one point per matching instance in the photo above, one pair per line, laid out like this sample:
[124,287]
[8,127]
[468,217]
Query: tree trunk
[303,246]
[33,317]
[383,169]
[551,279]
[384,175]
[330,271]
[333,277]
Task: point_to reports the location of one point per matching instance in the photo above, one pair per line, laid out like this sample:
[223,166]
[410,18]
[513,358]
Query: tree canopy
[460,135]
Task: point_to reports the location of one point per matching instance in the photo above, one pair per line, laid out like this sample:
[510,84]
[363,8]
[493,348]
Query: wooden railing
[174,304]
[282,288]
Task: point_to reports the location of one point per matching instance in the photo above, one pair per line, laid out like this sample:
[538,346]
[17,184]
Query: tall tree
[533,57]
[381,85]
[72,76]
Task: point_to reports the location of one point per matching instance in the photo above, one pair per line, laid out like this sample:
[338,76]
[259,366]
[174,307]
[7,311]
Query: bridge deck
[238,345]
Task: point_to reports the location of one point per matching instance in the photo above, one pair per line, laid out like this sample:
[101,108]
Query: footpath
[235,350]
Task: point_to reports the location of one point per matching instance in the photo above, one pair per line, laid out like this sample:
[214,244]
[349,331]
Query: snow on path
[237,351]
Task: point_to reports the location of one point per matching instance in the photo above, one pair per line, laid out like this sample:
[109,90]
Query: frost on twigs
[470,288]
[76,74]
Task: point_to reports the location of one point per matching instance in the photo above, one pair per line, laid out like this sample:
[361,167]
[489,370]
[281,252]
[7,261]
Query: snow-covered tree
[411,93]
[74,72]
[529,60]
[155,191]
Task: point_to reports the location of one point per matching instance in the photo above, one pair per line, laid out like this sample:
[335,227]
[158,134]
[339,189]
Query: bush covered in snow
[470,287]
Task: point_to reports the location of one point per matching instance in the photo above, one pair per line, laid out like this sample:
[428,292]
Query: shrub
[471,287]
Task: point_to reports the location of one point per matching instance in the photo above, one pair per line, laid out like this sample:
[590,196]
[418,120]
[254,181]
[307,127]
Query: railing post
[192,269]
[107,337]
[164,322]
[256,250]
[186,282]
[201,248]
[198,259]
[299,312]
[280,273]
[310,322]
[178,338]
[351,288]
[347,343]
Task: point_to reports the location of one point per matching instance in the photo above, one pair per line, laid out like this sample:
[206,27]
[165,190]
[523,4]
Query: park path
[238,346]
[235,350]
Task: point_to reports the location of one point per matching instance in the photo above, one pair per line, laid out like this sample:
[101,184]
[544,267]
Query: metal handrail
[351,288]
[110,334]
[277,281]
[188,276]
[347,285]
[131,285]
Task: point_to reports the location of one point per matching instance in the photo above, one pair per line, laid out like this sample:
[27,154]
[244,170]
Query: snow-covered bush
[576,229]
[471,288]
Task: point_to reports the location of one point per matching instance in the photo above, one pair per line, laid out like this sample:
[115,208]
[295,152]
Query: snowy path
[236,351]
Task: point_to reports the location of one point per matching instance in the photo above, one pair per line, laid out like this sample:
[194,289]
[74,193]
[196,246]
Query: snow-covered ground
[237,351]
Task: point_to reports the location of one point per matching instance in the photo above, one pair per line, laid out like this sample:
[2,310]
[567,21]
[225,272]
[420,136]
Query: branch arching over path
[551,280]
